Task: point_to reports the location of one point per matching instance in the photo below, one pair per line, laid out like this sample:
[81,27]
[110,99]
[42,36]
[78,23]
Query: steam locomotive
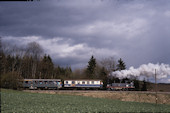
[72,84]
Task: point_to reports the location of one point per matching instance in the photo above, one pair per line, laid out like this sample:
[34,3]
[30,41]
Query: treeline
[28,67]
[27,62]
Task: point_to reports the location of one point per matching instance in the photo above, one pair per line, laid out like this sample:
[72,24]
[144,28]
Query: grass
[24,102]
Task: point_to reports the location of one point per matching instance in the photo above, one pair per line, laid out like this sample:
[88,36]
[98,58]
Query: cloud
[61,51]
[110,28]
[167,13]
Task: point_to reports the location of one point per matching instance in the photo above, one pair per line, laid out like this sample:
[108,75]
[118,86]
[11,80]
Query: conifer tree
[121,65]
[47,67]
[91,67]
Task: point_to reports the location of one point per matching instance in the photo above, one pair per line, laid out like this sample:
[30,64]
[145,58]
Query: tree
[68,71]
[121,65]
[50,67]
[2,59]
[26,67]
[103,76]
[144,86]
[79,73]
[108,64]
[11,80]
[91,67]
[34,50]
[136,84]
[46,67]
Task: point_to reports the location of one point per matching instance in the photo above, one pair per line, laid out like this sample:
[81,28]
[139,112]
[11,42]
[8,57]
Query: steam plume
[162,71]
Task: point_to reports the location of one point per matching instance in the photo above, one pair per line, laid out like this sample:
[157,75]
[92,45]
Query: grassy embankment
[18,101]
[148,97]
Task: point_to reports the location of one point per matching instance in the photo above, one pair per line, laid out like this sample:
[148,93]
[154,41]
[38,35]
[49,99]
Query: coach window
[73,82]
[92,82]
[83,82]
[87,82]
[26,82]
[51,82]
[54,82]
[40,82]
[45,82]
[66,82]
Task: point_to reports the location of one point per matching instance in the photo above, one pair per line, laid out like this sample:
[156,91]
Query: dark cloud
[137,31]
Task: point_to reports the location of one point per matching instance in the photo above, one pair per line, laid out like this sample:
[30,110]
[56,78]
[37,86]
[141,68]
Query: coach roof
[83,80]
[42,79]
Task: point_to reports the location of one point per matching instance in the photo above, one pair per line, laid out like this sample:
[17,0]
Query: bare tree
[79,73]
[6,48]
[34,50]
[109,64]
[1,59]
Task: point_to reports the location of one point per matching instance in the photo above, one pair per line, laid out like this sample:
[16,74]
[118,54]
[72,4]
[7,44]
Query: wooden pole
[156,97]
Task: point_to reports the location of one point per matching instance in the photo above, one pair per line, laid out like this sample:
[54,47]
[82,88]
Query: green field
[20,102]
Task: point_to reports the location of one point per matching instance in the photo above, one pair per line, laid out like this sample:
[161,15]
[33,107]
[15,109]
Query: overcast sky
[138,31]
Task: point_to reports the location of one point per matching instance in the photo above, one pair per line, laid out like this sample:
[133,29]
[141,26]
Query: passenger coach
[42,83]
[86,84]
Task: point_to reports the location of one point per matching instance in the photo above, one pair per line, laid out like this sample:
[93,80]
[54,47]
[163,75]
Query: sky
[71,31]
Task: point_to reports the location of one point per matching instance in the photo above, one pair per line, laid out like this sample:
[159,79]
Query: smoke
[148,70]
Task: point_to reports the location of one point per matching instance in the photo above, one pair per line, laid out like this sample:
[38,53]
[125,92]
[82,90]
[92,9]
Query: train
[73,84]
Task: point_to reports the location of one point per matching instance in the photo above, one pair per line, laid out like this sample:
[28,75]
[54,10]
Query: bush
[11,80]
